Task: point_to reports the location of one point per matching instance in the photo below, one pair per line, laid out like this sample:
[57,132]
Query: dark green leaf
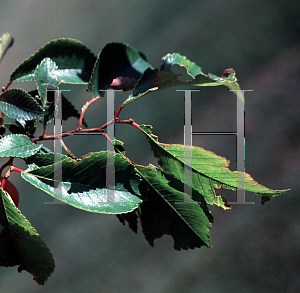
[153,79]
[20,244]
[82,184]
[18,104]
[49,113]
[119,146]
[68,110]
[75,62]
[165,213]
[28,128]
[17,145]
[44,159]
[14,129]
[118,65]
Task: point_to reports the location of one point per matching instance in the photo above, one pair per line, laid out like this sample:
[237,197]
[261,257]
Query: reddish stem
[129,121]
[3,182]
[16,169]
[108,138]
[85,107]
[6,87]
[135,125]
[118,112]
[12,168]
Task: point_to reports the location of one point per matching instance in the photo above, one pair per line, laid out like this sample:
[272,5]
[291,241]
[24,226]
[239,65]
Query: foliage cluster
[153,194]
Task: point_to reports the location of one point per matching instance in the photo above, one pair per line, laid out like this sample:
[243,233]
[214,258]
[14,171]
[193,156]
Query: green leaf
[83,183]
[75,62]
[44,75]
[20,244]
[154,79]
[6,41]
[44,159]
[18,104]
[17,145]
[208,171]
[68,110]
[118,65]
[188,223]
[119,146]
[28,128]
[170,59]
[14,129]
[228,77]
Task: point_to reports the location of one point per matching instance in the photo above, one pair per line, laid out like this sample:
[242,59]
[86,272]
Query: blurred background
[255,248]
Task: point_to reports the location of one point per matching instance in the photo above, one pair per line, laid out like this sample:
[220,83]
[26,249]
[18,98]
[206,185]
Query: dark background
[255,247]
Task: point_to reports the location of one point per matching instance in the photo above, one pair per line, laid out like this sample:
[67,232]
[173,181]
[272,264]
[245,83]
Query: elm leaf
[44,75]
[154,79]
[208,171]
[18,104]
[83,183]
[74,61]
[118,65]
[20,244]
[18,145]
[166,213]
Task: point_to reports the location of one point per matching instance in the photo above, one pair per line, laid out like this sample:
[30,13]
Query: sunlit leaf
[44,75]
[18,104]
[209,171]
[17,145]
[82,184]
[74,61]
